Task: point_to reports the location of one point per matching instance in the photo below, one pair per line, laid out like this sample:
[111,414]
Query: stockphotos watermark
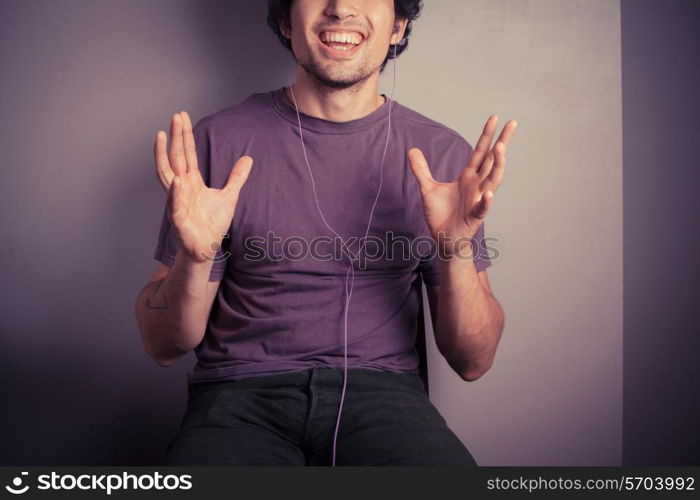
[392,247]
[103,482]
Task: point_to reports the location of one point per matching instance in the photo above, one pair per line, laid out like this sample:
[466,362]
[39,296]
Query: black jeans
[290,418]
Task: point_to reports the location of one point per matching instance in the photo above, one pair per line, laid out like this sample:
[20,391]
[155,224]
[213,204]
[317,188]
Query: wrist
[458,249]
[192,265]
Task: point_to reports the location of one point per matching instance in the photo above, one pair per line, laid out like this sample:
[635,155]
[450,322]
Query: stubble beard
[336,78]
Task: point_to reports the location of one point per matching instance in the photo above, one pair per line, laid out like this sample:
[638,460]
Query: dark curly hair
[279,10]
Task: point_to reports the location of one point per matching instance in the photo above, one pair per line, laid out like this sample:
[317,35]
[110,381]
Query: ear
[399,29]
[284,29]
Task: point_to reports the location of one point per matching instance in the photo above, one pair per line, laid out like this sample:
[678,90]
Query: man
[268,329]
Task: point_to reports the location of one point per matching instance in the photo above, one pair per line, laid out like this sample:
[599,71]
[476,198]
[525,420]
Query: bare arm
[467,319]
[173,308]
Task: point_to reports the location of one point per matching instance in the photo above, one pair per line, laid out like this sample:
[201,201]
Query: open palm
[455,210]
[201,215]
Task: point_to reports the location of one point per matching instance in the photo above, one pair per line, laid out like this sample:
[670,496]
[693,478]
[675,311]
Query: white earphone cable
[351,271]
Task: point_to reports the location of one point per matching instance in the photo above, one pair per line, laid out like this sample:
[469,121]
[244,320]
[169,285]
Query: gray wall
[85,85]
[554,393]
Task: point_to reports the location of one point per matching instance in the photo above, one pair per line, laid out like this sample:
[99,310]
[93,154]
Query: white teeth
[353,38]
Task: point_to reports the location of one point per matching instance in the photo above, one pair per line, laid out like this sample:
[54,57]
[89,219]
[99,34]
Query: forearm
[469,319]
[172,313]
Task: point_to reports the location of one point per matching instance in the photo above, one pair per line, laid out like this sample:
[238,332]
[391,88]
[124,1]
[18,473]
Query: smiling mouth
[341,43]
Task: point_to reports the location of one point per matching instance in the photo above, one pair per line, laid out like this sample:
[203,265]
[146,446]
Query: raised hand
[200,215]
[455,210]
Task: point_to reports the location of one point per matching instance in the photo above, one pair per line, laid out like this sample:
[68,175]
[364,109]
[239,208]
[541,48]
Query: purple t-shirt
[279,307]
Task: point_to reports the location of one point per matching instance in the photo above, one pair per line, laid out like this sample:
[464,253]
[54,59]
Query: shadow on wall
[250,58]
[83,392]
[244,57]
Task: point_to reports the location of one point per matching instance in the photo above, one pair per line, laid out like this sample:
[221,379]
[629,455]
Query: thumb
[420,168]
[483,206]
[238,175]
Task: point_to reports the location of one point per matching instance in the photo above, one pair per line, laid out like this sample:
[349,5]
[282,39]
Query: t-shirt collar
[308,122]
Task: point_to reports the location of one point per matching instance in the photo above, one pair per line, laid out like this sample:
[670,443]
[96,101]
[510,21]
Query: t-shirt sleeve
[168,242]
[455,160]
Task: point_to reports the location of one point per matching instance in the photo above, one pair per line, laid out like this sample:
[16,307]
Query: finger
[238,175]
[499,149]
[421,171]
[507,133]
[163,170]
[175,200]
[484,143]
[486,165]
[176,155]
[188,143]
[494,178]
[483,206]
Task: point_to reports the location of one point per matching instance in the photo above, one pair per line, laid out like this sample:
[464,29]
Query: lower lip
[340,52]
